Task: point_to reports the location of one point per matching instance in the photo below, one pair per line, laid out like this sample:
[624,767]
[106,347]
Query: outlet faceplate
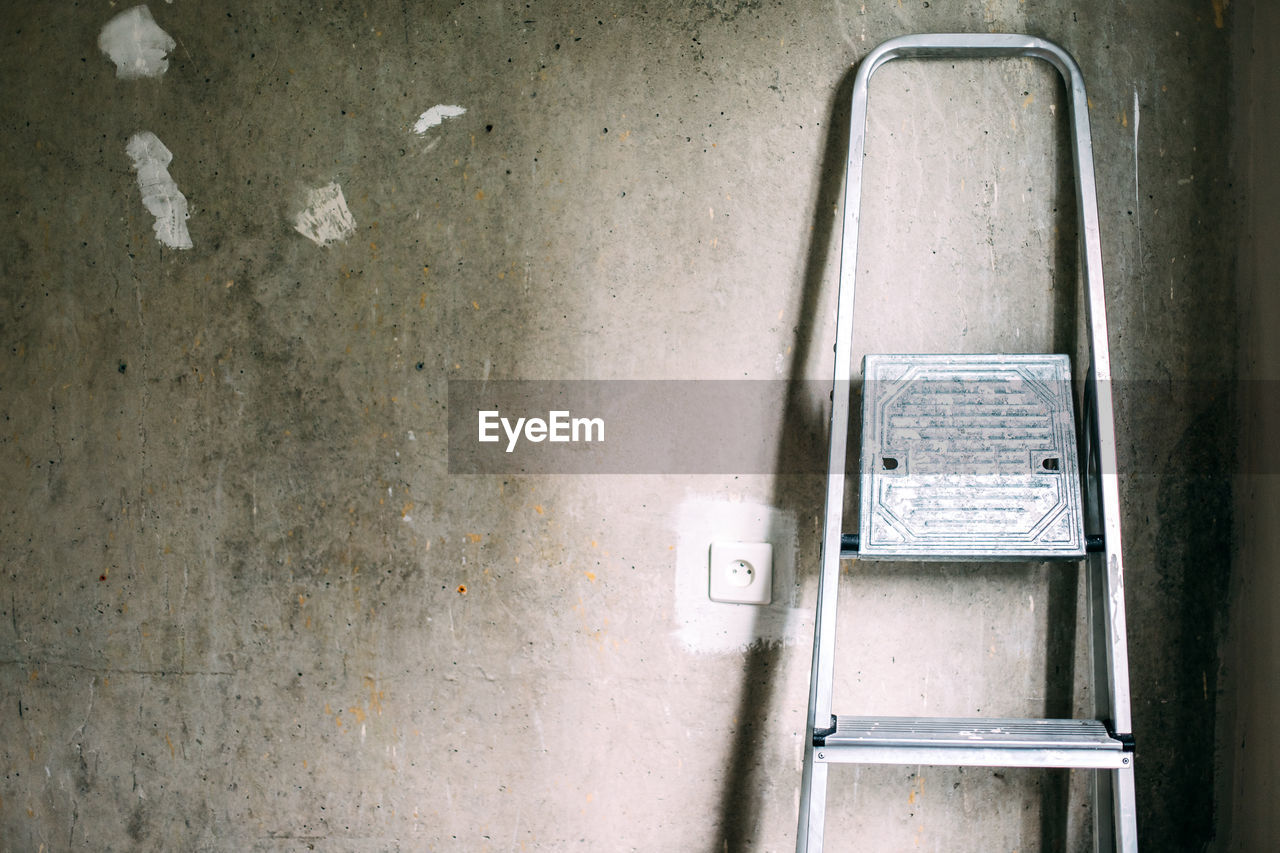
[741,572]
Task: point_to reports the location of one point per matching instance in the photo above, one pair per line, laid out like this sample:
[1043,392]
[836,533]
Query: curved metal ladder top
[1109,580]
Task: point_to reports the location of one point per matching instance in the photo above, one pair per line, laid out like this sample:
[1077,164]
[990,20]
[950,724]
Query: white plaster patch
[325,219]
[160,195]
[435,116]
[136,44]
[707,626]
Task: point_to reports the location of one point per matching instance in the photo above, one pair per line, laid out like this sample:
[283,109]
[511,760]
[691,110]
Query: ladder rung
[1094,544]
[972,741]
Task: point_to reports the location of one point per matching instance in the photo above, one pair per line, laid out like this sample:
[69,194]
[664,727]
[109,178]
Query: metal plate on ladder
[968,457]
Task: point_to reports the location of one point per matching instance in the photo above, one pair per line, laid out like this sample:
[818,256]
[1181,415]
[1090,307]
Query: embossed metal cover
[968,457]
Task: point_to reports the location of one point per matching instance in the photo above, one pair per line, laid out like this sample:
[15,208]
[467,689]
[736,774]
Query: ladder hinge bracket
[820,735]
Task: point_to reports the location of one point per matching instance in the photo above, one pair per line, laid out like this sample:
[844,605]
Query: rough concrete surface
[246,605]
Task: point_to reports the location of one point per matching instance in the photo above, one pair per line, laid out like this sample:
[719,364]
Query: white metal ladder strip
[1114,809]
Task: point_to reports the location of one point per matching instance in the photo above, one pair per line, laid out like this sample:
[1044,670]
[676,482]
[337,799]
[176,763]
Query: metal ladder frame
[1114,807]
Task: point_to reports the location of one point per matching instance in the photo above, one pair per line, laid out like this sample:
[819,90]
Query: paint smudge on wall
[435,116]
[136,44]
[325,219]
[160,194]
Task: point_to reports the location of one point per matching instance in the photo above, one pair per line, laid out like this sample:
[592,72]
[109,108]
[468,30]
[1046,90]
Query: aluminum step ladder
[976,458]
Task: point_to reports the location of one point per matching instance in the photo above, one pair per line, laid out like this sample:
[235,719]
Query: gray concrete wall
[246,605]
[1250,774]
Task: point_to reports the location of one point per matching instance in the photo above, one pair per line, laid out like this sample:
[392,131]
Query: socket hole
[1051,464]
[741,573]
[890,463]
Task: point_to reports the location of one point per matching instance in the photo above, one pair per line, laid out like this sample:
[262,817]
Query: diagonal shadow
[804,433]
[1062,618]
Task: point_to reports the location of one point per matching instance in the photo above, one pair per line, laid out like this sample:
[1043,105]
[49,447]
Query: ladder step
[972,741]
[1093,544]
[969,457]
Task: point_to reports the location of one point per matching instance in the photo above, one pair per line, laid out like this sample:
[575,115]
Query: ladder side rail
[1125,806]
[1104,432]
[1115,801]
[813,782]
[1114,796]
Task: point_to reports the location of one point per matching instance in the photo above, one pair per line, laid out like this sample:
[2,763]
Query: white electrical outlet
[741,572]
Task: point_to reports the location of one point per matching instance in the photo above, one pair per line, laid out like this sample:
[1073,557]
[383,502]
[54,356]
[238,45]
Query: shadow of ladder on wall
[976,458]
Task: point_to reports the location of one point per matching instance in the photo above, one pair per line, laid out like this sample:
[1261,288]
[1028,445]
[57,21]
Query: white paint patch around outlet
[435,116]
[710,627]
[325,219]
[160,195]
[136,44]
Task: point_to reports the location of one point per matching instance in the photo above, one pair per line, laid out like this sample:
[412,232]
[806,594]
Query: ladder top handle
[987,46]
[971,46]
